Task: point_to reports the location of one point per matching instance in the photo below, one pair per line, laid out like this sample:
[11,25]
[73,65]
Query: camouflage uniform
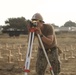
[52,53]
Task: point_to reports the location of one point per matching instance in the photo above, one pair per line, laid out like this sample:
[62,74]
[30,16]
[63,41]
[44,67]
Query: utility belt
[50,49]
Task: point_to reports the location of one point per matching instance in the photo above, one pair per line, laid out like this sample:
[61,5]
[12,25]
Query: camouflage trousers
[41,63]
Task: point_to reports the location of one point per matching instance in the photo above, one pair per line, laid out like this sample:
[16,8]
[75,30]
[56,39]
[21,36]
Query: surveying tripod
[29,51]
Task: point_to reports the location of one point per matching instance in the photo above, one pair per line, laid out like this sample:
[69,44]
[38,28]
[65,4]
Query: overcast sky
[53,11]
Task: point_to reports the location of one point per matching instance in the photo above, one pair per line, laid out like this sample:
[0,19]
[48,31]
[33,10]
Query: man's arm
[48,40]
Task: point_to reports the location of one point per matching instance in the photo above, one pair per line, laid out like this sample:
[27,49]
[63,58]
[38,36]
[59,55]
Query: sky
[52,11]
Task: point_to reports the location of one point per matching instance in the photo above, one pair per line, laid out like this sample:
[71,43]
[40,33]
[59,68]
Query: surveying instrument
[32,30]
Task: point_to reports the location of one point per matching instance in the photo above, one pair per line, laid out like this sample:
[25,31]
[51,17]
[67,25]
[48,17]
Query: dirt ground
[13,55]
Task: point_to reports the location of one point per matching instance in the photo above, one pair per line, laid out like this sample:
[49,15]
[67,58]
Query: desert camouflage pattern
[41,63]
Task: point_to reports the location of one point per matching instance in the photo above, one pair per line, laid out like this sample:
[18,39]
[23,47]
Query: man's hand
[38,31]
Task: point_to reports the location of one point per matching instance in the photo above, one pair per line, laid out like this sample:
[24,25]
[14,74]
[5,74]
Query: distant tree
[70,24]
[15,26]
[16,22]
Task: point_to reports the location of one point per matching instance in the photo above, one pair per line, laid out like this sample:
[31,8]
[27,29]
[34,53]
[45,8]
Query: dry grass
[64,40]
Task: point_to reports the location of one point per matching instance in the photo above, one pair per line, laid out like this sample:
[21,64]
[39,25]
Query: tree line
[20,22]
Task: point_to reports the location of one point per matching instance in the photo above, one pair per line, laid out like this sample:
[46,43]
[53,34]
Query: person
[48,37]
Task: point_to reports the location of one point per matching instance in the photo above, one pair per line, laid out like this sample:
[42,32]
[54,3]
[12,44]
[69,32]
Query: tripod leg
[29,52]
[45,54]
